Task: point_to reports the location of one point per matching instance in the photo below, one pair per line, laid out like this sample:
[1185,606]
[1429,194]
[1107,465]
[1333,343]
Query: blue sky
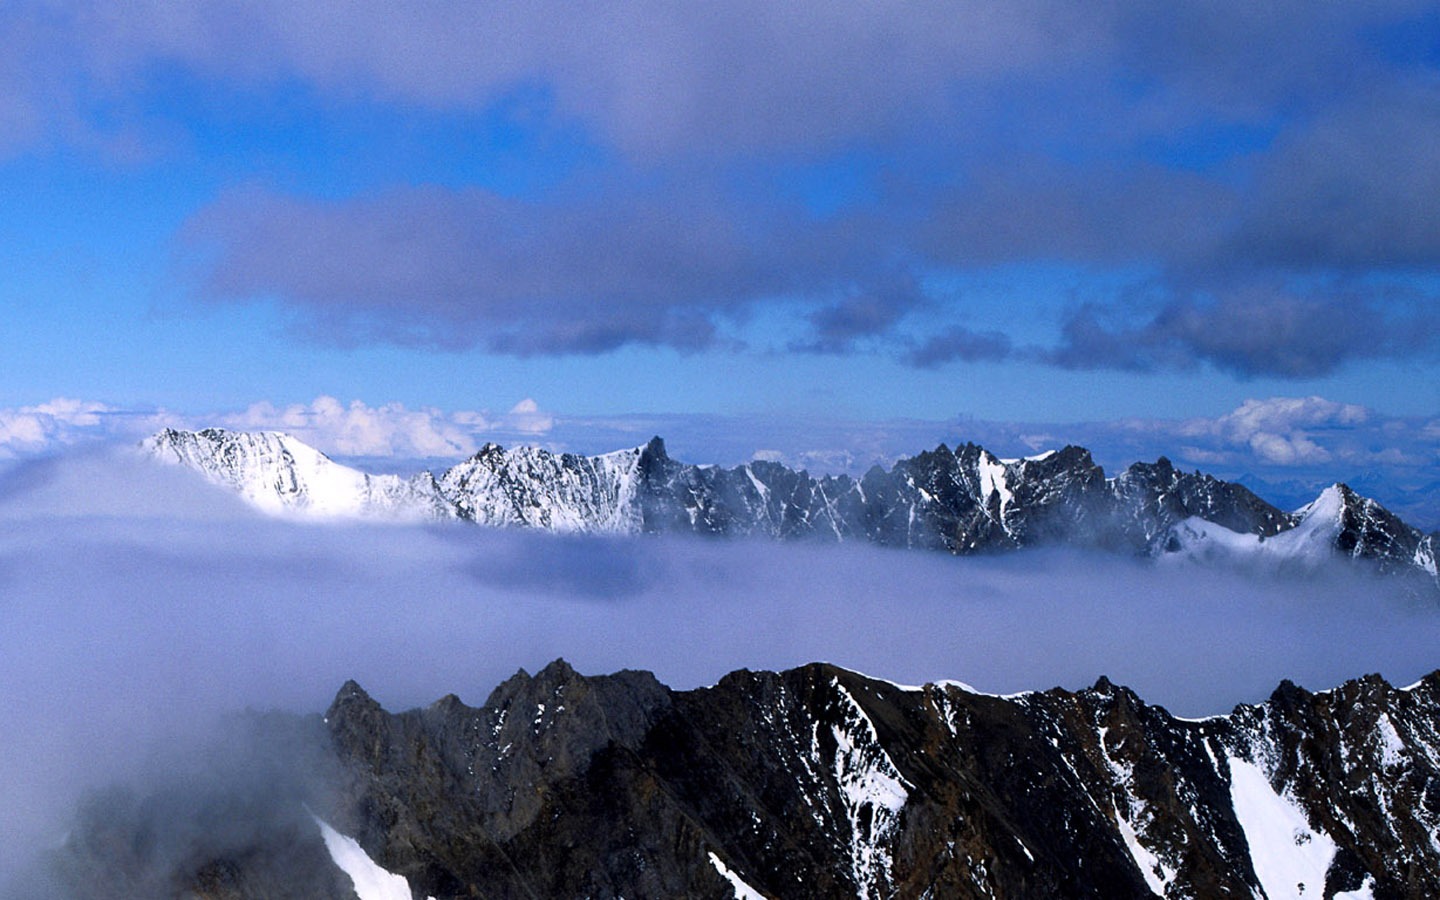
[1028,213]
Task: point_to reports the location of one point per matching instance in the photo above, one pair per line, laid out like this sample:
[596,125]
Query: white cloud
[1279,430]
[358,429]
[1286,450]
[354,429]
[62,421]
[390,430]
[1289,414]
[526,417]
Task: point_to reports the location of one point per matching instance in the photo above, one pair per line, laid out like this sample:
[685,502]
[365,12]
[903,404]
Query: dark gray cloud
[1199,144]
[1258,329]
[649,77]
[1351,190]
[839,326]
[960,343]
[458,269]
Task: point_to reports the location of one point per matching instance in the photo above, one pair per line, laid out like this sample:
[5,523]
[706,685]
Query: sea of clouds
[138,605]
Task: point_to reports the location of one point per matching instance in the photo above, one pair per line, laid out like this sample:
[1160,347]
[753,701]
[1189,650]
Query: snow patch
[1392,748]
[370,880]
[742,890]
[1148,863]
[872,791]
[1156,873]
[1366,891]
[992,481]
[1289,857]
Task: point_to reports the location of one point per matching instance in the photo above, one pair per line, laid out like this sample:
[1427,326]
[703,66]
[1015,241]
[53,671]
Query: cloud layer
[138,610]
[1264,176]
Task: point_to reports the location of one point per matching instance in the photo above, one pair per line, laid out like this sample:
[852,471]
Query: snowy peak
[1363,529]
[963,501]
[1337,522]
[280,474]
[535,488]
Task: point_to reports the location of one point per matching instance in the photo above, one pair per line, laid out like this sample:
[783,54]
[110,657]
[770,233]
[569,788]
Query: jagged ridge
[820,782]
[964,500]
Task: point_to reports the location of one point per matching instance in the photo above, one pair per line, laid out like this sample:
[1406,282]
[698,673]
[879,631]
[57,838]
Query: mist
[139,605]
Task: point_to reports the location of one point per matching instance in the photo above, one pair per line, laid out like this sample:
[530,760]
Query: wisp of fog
[139,604]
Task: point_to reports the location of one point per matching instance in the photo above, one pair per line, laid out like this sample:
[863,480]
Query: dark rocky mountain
[960,501]
[815,782]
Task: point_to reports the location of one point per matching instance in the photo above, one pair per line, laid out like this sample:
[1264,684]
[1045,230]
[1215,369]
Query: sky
[826,233]
[1041,212]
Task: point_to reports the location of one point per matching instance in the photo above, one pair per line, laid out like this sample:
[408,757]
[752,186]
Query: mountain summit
[963,501]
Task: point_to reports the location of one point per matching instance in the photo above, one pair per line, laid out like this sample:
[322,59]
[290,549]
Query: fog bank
[138,604]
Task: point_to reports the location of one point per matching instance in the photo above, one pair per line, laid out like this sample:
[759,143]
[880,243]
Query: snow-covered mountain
[1339,521]
[815,782]
[965,500]
[278,474]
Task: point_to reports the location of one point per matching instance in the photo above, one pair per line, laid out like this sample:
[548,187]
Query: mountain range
[813,782]
[962,501]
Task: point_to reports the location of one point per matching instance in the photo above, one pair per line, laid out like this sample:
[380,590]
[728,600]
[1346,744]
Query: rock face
[819,782]
[962,501]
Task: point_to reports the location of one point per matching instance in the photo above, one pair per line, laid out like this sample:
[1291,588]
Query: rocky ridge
[814,782]
[963,501]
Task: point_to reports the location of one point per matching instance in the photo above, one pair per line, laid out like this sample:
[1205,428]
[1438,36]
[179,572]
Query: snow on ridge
[939,683]
[992,474]
[528,486]
[534,487]
[372,882]
[1288,855]
[1309,542]
[282,475]
[742,890]
[872,791]
[1038,457]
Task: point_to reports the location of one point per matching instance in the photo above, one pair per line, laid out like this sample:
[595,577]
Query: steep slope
[819,782]
[556,491]
[1152,497]
[1339,521]
[278,473]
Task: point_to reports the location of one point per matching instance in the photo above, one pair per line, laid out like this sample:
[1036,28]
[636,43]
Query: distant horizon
[1284,448]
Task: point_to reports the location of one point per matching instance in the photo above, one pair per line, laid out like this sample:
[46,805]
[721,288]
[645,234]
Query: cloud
[1207,148]
[129,633]
[357,429]
[1288,432]
[45,427]
[391,430]
[458,269]
[1257,329]
[650,78]
[960,343]
[527,417]
[743,76]
[838,327]
[1278,430]
[354,430]
[1348,191]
